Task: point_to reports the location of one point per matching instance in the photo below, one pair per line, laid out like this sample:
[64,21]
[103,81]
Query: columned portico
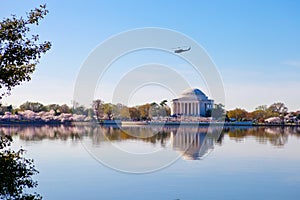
[189,108]
[192,102]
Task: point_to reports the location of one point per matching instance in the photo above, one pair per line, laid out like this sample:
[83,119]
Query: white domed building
[192,102]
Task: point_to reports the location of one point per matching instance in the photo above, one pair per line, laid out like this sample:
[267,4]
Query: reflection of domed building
[192,144]
[192,102]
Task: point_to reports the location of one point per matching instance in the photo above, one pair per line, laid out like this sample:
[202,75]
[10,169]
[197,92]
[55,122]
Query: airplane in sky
[180,50]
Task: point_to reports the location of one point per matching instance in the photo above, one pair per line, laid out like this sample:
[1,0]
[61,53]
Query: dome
[193,93]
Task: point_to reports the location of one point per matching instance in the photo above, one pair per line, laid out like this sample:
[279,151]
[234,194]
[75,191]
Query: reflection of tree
[15,172]
[36,133]
[192,142]
[154,134]
[277,136]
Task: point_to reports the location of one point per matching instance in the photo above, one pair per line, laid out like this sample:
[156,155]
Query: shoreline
[143,123]
[225,124]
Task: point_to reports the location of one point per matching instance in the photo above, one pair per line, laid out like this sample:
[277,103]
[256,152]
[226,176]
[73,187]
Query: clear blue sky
[255,44]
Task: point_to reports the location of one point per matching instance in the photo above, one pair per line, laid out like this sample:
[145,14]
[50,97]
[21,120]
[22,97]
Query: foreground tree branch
[15,172]
[20,52]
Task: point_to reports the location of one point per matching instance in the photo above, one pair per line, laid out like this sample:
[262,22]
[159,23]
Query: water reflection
[276,136]
[36,132]
[191,142]
[195,142]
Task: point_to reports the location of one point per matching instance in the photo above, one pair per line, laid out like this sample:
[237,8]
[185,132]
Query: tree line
[98,110]
[261,113]
[136,113]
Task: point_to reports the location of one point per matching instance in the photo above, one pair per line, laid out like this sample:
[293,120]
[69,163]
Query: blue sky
[254,44]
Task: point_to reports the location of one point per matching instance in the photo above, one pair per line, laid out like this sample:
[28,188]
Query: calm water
[162,162]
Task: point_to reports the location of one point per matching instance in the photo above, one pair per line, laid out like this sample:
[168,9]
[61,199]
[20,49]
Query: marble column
[173,108]
[186,109]
[194,108]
